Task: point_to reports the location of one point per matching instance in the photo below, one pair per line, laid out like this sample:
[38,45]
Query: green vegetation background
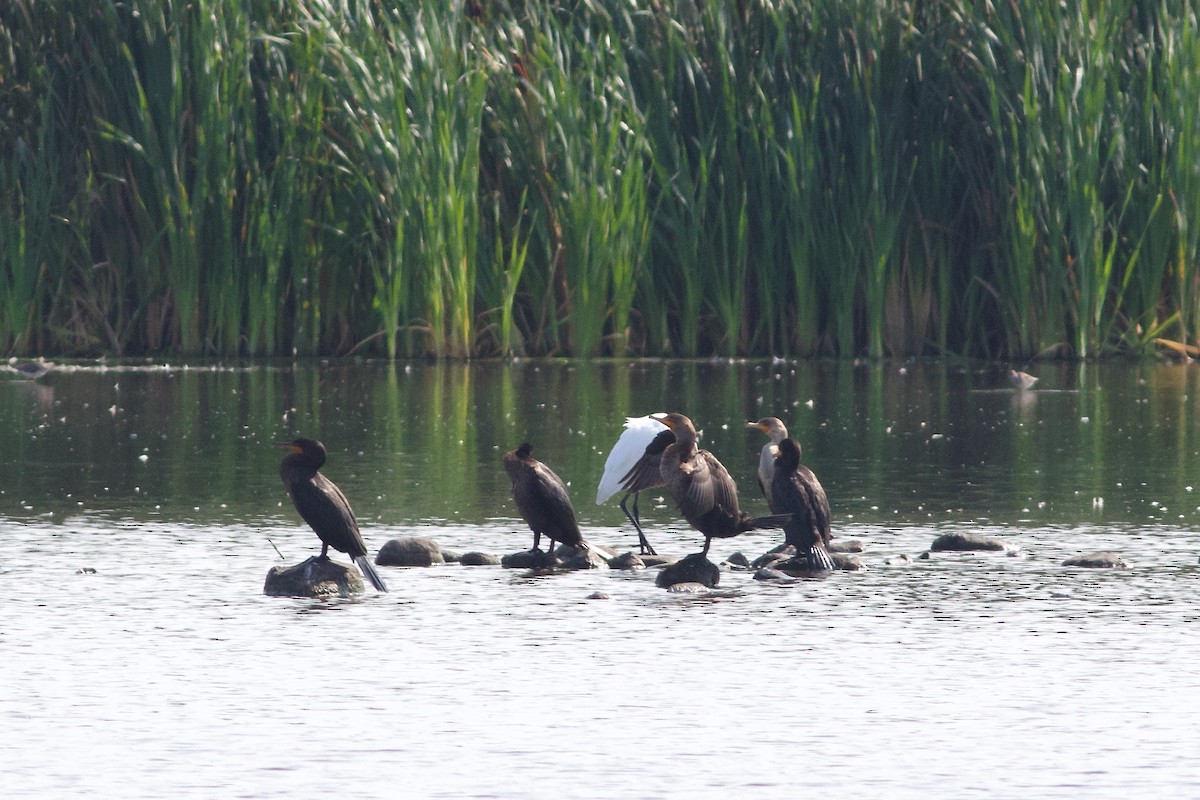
[601,177]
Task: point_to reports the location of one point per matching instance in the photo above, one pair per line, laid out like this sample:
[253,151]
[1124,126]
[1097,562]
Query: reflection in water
[416,443]
[167,673]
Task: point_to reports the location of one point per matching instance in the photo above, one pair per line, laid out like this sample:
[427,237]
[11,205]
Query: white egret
[632,466]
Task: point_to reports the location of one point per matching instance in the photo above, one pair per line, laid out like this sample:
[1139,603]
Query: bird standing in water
[542,499]
[796,490]
[703,489]
[774,428]
[323,506]
[633,465]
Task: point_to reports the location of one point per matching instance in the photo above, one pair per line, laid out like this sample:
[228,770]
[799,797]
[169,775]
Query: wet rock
[845,546]
[780,553]
[966,542]
[410,551]
[474,559]
[797,567]
[691,569]
[738,560]
[627,561]
[451,556]
[900,559]
[657,561]
[86,571]
[566,550]
[1103,559]
[314,577]
[769,574]
[924,556]
[580,558]
[528,559]
[598,596]
[847,563]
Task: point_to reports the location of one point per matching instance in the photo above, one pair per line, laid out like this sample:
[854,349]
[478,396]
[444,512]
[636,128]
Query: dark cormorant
[633,466]
[323,506]
[796,489]
[703,489]
[774,428]
[542,499]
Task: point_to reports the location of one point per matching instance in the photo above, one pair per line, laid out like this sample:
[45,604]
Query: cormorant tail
[368,569]
[820,560]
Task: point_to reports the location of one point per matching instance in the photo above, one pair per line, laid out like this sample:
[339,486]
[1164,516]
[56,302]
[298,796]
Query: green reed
[598,177]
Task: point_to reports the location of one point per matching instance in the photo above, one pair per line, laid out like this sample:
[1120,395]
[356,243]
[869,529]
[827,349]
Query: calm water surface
[166,672]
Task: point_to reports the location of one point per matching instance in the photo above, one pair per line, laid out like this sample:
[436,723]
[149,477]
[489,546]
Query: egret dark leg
[643,543]
[324,550]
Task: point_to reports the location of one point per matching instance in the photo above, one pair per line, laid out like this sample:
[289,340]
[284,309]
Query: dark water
[167,673]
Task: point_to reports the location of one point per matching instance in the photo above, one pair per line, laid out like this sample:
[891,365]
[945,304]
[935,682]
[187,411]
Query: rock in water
[692,569]
[314,577]
[476,559]
[577,558]
[966,542]
[627,561]
[1104,559]
[410,551]
[528,559]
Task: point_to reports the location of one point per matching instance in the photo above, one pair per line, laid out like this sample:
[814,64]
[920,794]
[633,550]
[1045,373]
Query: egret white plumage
[774,428]
[632,466]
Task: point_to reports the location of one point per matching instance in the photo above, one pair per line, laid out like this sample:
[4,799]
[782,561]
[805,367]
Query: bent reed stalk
[598,177]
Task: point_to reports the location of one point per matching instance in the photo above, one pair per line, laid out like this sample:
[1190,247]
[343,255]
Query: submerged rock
[657,561]
[475,559]
[1102,559]
[797,567]
[627,561]
[567,557]
[781,553]
[966,542]
[527,559]
[847,563]
[770,574]
[738,560]
[691,569]
[410,551]
[845,546]
[314,577]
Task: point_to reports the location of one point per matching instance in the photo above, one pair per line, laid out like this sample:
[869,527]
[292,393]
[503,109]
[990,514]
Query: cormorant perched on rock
[795,489]
[633,465]
[774,428]
[323,506]
[542,499]
[703,489]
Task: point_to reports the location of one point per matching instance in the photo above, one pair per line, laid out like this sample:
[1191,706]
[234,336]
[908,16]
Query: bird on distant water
[795,490]
[542,499]
[633,465]
[323,506]
[31,370]
[774,428]
[703,489]
[1021,380]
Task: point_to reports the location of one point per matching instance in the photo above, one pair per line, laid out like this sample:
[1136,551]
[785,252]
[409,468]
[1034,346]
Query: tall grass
[598,177]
